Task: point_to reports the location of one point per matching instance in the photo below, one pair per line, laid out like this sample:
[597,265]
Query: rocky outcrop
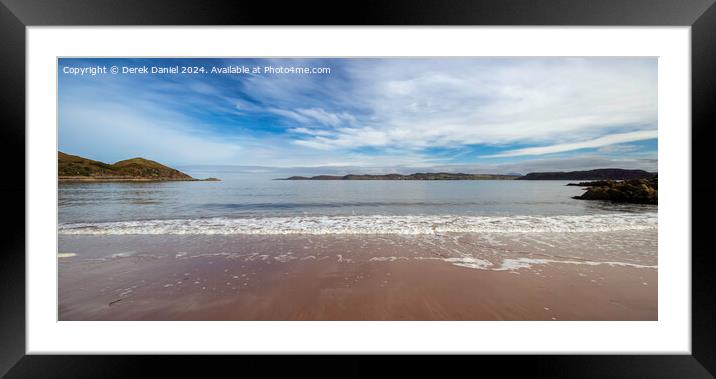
[595,183]
[637,191]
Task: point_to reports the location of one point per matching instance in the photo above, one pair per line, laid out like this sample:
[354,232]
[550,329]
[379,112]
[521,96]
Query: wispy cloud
[619,148]
[493,102]
[597,142]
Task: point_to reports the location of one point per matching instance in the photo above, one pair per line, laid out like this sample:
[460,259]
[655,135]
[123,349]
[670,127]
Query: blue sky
[477,114]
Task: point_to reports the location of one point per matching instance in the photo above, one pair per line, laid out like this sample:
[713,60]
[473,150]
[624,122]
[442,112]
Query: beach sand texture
[460,276]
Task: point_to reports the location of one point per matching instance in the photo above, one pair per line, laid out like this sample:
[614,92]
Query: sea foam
[376,224]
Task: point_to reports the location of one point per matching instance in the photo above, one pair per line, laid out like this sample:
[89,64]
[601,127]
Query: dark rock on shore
[636,191]
[596,183]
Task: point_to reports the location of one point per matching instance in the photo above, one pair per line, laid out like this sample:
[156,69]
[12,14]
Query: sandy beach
[448,277]
[364,188]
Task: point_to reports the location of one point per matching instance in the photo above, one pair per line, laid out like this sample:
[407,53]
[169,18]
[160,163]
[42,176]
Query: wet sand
[356,278]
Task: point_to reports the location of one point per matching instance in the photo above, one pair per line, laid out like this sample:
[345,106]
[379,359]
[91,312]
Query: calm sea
[257,204]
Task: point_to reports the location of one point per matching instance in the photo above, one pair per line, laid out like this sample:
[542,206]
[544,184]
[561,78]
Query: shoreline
[126,179]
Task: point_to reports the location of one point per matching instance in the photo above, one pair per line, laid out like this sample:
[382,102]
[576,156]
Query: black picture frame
[16,15]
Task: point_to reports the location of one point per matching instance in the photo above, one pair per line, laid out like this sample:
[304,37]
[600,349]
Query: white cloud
[597,142]
[453,102]
[290,114]
[245,106]
[611,149]
[316,116]
[327,118]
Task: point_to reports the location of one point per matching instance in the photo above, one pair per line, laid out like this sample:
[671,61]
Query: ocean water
[142,250]
[256,204]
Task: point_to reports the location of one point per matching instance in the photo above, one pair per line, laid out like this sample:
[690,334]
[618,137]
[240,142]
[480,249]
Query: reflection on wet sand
[458,276]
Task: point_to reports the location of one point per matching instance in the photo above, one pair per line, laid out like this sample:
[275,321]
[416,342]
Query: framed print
[413,184]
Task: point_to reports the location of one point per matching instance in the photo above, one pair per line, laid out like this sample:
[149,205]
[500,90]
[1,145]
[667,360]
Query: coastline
[80,179]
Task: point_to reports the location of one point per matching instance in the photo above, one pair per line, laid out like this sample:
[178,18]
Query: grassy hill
[75,168]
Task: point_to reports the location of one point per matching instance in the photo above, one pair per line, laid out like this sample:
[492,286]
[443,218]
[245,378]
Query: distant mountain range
[72,168]
[598,174]
[76,168]
[416,176]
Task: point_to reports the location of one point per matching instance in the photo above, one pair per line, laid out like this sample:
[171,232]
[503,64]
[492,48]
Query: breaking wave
[376,224]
